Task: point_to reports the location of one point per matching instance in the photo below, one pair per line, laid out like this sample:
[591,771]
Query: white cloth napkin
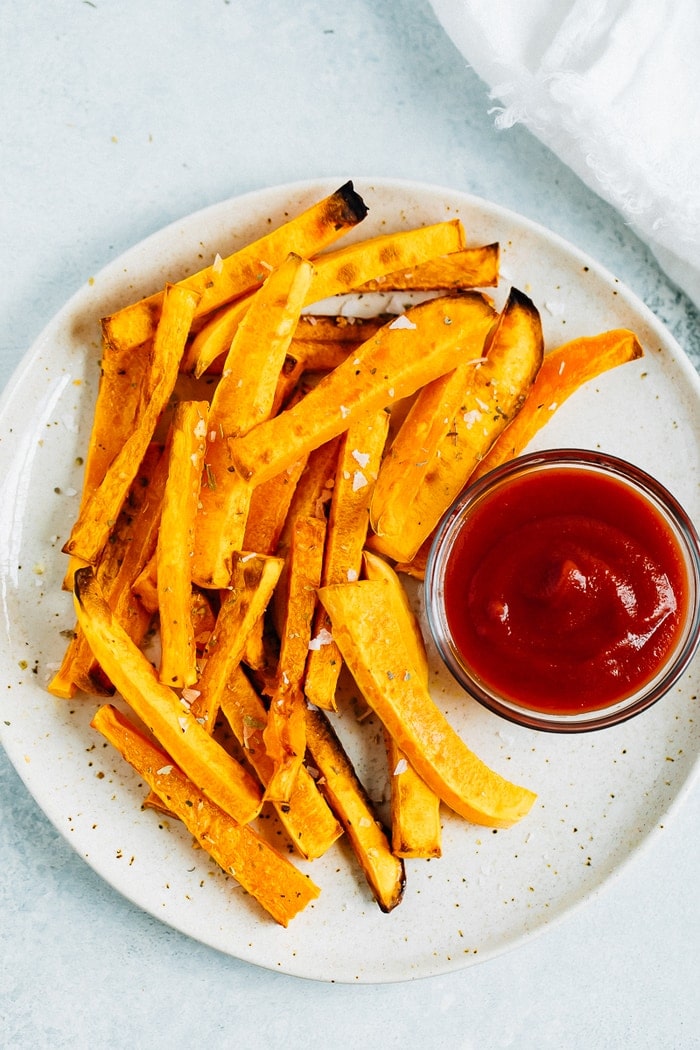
[611,87]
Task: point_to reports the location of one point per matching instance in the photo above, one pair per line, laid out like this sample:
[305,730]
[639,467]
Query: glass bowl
[563,590]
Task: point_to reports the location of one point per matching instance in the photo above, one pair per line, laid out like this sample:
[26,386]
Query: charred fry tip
[518,298]
[352,199]
[82,579]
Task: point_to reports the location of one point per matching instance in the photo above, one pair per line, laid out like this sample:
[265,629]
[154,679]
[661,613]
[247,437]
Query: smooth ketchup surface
[565,591]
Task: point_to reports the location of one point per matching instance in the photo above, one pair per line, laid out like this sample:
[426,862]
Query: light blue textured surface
[118,117]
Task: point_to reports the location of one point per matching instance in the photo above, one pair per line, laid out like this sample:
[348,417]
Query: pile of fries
[258,479]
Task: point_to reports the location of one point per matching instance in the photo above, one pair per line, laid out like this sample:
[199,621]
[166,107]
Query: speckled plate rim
[488,893]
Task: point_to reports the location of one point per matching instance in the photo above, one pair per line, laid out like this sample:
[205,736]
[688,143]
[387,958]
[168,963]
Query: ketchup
[565,590]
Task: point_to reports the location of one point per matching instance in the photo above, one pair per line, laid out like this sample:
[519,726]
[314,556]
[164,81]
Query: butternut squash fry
[178,662]
[253,580]
[403,356]
[415,808]
[178,732]
[375,651]
[306,816]
[100,510]
[358,465]
[484,399]
[244,397]
[349,801]
[245,270]
[285,732]
[564,370]
[280,888]
[467,268]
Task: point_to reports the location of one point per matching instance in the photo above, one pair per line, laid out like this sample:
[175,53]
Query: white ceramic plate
[601,796]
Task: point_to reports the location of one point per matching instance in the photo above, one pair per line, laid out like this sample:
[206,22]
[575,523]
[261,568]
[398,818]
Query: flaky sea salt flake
[402,322]
[323,637]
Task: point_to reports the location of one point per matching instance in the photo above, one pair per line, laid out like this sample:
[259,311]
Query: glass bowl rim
[645,485]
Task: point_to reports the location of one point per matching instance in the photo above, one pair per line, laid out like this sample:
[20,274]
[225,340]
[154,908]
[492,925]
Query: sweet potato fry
[116,408]
[269,506]
[245,270]
[404,355]
[219,776]
[490,396]
[345,268]
[253,579]
[321,336]
[213,341]
[100,511]
[280,888]
[243,398]
[349,801]
[564,370]
[429,423]
[311,499]
[318,356]
[285,741]
[133,539]
[320,341]
[342,270]
[375,568]
[468,268]
[415,568]
[314,491]
[415,808]
[336,329]
[178,662]
[145,586]
[306,816]
[285,732]
[358,465]
[416,830]
[203,612]
[375,651]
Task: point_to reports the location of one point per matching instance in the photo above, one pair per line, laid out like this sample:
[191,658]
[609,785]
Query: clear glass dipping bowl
[457,518]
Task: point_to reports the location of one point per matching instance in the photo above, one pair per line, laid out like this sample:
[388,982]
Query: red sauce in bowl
[565,590]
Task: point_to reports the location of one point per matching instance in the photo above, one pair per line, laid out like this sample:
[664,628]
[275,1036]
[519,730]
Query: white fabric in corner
[610,86]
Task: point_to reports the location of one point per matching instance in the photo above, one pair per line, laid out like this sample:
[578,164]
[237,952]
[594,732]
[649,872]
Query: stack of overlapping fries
[258,479]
